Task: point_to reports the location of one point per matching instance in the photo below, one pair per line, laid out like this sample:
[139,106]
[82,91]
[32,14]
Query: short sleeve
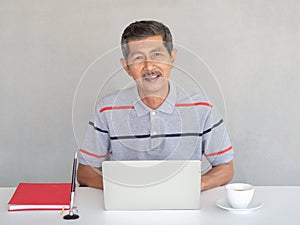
[95,146]
[216,145]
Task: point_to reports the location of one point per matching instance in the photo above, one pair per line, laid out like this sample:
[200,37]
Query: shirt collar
[167,106]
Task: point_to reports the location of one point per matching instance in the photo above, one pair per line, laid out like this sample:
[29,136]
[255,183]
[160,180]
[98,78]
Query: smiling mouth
[152,76]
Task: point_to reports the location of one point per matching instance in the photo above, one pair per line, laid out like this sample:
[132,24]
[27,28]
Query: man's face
[149,64]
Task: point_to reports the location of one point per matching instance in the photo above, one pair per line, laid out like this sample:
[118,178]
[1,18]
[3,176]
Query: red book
[40,196]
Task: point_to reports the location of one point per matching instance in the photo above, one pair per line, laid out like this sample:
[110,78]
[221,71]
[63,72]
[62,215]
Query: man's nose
[149,64]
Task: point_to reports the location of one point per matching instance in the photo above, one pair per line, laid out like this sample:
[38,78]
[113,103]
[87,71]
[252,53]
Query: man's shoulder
[190,96]
[117,98]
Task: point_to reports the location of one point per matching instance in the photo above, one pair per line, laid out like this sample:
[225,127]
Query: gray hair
[143,29]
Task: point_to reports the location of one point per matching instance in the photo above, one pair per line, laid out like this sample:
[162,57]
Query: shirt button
[154,133]
[153,113]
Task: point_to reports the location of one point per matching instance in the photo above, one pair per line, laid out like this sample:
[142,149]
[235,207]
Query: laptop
[151,185]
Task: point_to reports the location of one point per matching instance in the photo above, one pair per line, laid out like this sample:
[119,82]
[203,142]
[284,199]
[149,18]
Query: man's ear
[125,66]
[173,56]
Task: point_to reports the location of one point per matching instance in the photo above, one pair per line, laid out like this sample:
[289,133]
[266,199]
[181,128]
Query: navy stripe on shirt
[97,128]
[167,135]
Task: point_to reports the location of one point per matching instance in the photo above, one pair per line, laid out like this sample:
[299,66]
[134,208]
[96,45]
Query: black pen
[73,182]
[71,214]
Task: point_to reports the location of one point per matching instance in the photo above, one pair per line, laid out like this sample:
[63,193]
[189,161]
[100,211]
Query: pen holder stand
[71,215]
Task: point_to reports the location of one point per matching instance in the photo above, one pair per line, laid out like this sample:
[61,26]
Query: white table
[280,207]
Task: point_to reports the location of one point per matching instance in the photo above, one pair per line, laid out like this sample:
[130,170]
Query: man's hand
[89,176]
[217,176]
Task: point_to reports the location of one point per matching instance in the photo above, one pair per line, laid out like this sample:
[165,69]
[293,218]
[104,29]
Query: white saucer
[224,204]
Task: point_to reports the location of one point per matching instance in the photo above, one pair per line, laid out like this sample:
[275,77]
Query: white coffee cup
[239,195]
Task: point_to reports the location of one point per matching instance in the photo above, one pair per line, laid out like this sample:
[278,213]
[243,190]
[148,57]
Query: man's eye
[138,58]
[158,54]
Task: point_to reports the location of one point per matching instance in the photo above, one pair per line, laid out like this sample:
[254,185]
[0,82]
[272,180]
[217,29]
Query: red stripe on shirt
[194,104]
[92,154]
[220,152]
[116,108]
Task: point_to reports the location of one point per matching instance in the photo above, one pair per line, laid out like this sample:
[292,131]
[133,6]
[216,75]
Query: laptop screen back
[151,185]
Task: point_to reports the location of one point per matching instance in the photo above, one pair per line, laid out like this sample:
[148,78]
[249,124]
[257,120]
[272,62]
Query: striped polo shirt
[185,127]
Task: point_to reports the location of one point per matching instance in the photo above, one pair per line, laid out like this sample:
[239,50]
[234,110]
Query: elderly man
[155,119]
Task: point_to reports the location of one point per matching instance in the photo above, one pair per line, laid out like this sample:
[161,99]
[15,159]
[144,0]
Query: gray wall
[250,49]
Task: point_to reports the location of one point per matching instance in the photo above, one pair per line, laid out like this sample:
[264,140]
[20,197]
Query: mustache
[152,73]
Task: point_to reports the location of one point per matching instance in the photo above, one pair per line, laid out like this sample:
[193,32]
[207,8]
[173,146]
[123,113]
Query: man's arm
[89,176]
[217,176]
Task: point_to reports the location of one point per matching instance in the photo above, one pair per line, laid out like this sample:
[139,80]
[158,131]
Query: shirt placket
[155,131]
